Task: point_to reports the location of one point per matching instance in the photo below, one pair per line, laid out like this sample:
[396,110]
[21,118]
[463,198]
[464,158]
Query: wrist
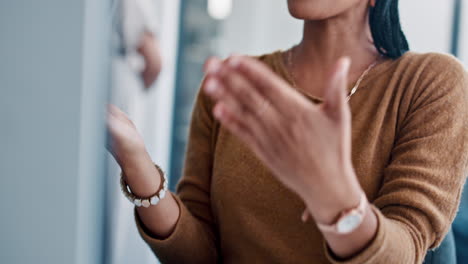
[327,205]
[131,159]
[147,200]
[342,247]
[329,213]
[141,175]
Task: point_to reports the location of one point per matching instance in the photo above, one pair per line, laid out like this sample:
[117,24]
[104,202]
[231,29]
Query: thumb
[335,96]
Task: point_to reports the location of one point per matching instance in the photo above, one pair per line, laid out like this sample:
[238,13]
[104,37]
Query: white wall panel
[257,27]
[53,72]
[427,24]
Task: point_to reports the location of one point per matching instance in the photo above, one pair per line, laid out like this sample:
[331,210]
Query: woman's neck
[325,41]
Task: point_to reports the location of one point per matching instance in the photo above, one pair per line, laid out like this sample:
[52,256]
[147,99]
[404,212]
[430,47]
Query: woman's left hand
[307,146]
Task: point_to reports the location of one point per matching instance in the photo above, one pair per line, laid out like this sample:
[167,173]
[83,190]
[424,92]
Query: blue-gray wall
[53,85]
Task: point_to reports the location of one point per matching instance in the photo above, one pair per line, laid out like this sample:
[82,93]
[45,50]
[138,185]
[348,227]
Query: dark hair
[388,36]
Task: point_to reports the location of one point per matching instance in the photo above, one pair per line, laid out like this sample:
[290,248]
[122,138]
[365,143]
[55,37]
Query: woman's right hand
[128,148]
[124,140]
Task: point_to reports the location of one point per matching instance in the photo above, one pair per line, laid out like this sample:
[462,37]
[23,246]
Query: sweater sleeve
[194,238]
[423,181]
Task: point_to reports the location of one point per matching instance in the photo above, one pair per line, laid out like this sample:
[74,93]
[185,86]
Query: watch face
[349,223]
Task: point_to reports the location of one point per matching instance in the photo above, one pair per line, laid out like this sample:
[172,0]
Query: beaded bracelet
[145,202]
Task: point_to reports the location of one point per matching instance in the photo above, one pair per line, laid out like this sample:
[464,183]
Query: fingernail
[218,112]
[234,61]
[213,66]
[211,86]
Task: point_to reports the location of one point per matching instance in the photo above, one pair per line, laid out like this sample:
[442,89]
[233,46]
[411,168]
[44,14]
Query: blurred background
[62,61]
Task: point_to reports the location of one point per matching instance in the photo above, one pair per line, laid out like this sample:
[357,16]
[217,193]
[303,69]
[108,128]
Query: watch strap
[358,212]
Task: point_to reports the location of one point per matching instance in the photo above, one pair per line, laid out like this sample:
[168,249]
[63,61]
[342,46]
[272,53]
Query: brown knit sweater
[410,153]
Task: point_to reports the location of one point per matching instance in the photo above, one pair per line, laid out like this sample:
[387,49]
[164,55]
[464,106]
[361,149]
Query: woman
[270,141]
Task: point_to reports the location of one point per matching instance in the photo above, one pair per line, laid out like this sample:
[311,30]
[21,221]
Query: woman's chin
[320,9]
[306,12]
[307,16]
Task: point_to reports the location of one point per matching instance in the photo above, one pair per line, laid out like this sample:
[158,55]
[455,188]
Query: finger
[112,124]
[234,124]
[111,128]
[335,95]
[217,91]
[212,65]
[114,110]
[243,91]
[267,83]
[111,110]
